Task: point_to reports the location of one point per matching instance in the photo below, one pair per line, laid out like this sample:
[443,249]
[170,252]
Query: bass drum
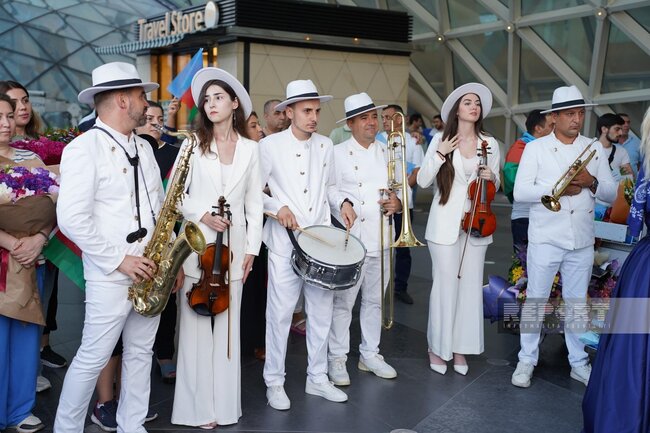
[331,267]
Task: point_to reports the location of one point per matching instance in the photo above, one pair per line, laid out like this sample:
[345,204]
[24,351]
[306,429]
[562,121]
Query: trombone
[406,238]
[552,202]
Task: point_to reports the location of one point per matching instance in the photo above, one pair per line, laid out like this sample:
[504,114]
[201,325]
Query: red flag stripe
[68,243]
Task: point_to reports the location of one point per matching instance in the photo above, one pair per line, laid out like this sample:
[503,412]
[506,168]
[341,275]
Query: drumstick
[347,237]
[305,232]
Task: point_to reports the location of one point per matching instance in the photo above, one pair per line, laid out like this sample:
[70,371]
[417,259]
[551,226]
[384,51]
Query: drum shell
[324,275]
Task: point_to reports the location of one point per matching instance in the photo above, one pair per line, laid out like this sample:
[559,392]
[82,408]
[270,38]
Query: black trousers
[402,258]
[253,305]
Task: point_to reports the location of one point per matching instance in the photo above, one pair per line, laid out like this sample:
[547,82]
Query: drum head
[335,254]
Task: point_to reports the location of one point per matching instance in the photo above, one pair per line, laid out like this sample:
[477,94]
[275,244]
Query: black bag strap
[610,159]
[336,223]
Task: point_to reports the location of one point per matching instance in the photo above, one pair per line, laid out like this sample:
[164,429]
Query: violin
[211,294]
[481,222]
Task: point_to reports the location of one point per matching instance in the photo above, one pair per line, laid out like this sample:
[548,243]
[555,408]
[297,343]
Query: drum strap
[336,223]
[294,241]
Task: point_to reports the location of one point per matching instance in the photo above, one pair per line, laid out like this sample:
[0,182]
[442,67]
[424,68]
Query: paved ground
[419,399]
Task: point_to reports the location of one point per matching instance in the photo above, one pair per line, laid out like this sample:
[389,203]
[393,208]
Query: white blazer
[96,206]
[301,176]
[243,192]
[443,226]
[540,168]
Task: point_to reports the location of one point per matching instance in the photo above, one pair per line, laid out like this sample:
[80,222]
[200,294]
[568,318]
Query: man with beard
[609,128]
[110,194]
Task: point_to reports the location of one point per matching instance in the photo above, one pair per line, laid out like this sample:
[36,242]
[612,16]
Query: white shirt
[621,157]
[300,175]
[540,168]
[96,206]
[360,174]
[414,155]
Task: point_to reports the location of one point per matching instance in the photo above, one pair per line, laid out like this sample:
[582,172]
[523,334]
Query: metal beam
[598,57]
[476,29]
[426,87]
[415,8]
[632,29]
[623,5]
[622,97]
[555,15]
[555,62]
[498,8]
[425,37]
[478,69]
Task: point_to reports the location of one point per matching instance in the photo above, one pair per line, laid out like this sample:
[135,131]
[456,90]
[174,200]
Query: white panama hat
[483,93]
[113,76]
[358,104]
[301,90]
[567,97]
[208,74]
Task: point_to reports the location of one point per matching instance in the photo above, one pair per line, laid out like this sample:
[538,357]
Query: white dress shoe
[277,398]
[327,390]
[438,368]
[461,369]
[378,366]
[337,372]
[522,375]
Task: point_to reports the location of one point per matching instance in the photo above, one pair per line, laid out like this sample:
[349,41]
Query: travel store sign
[177,23]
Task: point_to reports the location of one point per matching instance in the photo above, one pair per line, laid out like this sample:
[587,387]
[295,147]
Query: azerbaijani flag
[66,256]
[180,86]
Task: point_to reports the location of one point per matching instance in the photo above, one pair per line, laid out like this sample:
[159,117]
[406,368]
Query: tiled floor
[418,400]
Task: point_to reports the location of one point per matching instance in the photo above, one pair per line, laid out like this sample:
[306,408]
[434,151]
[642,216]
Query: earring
[234,120]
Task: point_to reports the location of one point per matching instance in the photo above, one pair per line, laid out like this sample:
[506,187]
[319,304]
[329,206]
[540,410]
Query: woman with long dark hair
[455,327]
[226,163]
[28,123]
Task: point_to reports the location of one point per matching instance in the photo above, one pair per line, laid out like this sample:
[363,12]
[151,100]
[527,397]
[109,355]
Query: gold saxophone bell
[406,238]
[552,202]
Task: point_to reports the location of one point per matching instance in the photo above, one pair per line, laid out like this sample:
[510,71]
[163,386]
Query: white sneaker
[378,366]
[582,373]
[277,398]
[327,390]
[522,375]
[42,384]
[337,372]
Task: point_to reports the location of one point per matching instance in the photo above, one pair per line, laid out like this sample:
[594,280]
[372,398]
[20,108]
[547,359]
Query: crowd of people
[274,181]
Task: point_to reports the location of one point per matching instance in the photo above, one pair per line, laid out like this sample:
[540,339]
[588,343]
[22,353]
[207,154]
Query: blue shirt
[633,147]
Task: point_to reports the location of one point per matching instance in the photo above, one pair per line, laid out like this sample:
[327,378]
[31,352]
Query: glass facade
[49,46]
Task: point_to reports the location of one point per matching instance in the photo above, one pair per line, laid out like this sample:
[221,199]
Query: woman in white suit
[226,163]
[455,327]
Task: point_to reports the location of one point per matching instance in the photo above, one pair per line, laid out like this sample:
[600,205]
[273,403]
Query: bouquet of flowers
[518,277]
[26,207]
[50,146]
[18,182]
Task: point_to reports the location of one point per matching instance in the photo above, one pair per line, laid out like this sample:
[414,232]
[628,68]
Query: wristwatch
[594,185]
[346,200]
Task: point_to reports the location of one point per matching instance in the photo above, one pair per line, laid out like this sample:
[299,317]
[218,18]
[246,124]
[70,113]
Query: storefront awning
[135,46]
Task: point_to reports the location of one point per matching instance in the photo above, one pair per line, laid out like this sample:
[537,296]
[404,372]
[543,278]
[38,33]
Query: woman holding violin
[224,195]
[460,225]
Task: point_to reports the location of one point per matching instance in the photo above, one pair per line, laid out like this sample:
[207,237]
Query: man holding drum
[298,166]
[361,172]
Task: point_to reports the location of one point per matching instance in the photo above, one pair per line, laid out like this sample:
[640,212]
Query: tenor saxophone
[150,297]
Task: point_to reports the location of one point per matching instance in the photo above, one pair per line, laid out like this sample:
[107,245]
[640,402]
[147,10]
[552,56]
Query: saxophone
[150,297]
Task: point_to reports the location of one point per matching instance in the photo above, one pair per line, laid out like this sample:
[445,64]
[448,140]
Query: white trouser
[369,315]
[208,383]
[456,305]
[575,266]
[284,288]
[108,314]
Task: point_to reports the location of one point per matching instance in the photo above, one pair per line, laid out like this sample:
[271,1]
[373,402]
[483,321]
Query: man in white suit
[106,174]
[361,171]
[298,166]
[562,240]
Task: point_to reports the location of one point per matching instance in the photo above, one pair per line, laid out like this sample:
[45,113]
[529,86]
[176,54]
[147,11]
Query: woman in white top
[226,163]
[455,327]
